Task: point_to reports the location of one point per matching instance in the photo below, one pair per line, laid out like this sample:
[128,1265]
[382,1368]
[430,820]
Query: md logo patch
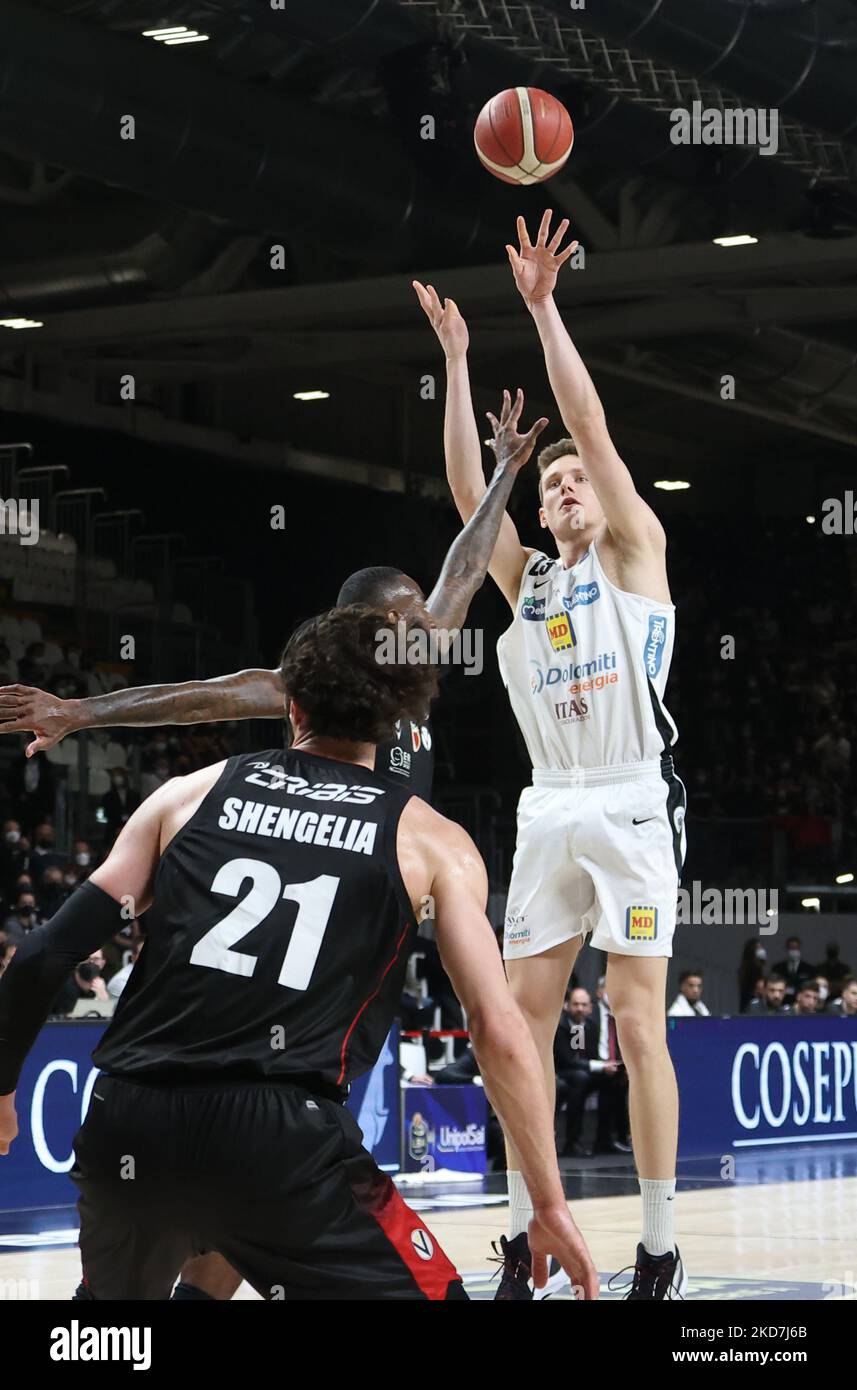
[560,631]
[641,923]
[422,1243]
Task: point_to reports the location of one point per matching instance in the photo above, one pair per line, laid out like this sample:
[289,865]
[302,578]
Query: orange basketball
[523,135]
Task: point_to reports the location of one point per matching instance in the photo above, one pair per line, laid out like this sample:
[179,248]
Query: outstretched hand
[25,709]
[445,318]
[535,267]
[511,449]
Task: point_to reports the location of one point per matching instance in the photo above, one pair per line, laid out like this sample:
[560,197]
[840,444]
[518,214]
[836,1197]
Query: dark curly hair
[330,668]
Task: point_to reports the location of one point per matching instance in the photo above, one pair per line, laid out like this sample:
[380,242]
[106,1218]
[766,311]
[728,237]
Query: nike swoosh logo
[644,821]
[540,584]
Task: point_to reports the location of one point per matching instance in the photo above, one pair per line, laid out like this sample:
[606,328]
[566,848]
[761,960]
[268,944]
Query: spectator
[117,983]
[7,951]
[773,1001]
[587,1059]
[14,853]
[794,969]
[86,982]
[43,854]
[150,781]
[81,853]
[53,891]
[22,920]
[120,802]
[846,1004]
[835,969]
[822,985]
[806,1000]
[688,1002]
[750,972]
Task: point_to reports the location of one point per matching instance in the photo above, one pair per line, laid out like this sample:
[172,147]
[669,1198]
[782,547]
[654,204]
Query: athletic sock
[520,1205]
[186,1292]
[658,1237]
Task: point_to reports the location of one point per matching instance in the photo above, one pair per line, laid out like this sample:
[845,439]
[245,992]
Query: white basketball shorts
[599,850]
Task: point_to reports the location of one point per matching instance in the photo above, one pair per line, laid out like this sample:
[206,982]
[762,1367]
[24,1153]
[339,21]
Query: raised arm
[254,694]
[467,560]
[462,448]
[630,520]
[504,1049]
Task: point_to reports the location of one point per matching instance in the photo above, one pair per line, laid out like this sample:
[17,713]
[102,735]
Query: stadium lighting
[178,33]
[811,520]
[844,878]
[811,902]
[311,396]
[21,323]
[672,485]
[743,240]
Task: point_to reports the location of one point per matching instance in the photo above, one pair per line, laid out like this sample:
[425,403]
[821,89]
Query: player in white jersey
[601,829]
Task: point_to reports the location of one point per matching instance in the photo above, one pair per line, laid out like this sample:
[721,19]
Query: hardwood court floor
[777,1240]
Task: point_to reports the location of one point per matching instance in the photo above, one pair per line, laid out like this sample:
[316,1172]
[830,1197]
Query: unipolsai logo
[453,1139]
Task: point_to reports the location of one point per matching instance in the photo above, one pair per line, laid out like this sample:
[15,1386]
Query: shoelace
[651,1276]
[501,1260]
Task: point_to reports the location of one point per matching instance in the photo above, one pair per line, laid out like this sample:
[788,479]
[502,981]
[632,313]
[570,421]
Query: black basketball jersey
[278,938]
[408,759]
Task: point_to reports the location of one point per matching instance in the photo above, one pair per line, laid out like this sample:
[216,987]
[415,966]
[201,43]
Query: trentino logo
[582,593]
[653,653]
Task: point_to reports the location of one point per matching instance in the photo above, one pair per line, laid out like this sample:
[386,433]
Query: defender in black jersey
[283,888]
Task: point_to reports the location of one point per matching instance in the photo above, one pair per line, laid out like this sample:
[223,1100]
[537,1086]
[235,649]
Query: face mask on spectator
[794,957]
[82,859]
[69,880]
[118,780]
[761,953]
[822,993]
[12,837]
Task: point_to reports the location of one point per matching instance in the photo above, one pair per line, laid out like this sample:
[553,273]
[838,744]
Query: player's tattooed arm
[535,266]
[469,556]
[461,443]
[252,694]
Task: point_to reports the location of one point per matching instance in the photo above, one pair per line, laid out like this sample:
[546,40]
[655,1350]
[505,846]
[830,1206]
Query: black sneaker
[514,1257]
[656,1278]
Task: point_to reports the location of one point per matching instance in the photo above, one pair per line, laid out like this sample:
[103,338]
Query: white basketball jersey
[585,665]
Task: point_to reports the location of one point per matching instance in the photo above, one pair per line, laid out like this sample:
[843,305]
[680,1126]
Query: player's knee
[641,1034]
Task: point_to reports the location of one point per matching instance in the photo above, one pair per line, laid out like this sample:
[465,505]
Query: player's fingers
[569,251]
[515,413]
[515,260]
[507,405]
[436,306]
[495,425]
[532,434]
[451,304]
[39,745]
[544,228]
[523,235]
[558,235]
[539,1271]
[15,724]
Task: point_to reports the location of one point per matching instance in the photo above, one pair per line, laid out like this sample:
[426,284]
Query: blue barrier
[53,1097]
[758,1082]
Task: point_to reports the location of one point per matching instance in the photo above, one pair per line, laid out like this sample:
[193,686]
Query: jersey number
[314,900]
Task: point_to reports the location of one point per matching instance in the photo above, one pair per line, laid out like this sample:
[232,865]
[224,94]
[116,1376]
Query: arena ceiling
[299,127]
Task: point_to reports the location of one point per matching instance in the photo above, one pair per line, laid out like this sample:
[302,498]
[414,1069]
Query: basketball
[523,135]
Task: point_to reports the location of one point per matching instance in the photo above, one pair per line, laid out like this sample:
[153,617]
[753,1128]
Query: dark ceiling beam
[478,290]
